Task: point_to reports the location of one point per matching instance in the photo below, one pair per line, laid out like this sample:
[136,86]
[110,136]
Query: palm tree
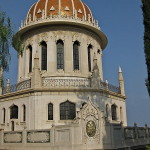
[146,22]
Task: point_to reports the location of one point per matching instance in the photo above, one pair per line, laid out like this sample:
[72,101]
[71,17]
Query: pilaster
[68,54]
[51,55]
[84,57]
[36,79]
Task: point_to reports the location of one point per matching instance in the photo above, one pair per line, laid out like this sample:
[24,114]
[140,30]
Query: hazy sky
[122,22]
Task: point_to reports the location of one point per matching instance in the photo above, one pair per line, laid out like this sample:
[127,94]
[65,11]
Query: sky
[122,22]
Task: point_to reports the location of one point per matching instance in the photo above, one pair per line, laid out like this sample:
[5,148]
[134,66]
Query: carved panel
[130,133]
[38,137]
[141,132]
[13,137]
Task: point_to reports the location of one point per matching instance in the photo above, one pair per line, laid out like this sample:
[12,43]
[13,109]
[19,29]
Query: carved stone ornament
[91,128]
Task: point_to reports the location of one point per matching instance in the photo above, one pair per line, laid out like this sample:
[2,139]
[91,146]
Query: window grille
[89,57]
[67,111]
[44,56]
[14,112]
[76,55]
[60,54]
[50,111]
[114,112]
[30,58]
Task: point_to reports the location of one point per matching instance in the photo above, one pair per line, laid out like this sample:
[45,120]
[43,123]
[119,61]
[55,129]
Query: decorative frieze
[58,82]
[51,18]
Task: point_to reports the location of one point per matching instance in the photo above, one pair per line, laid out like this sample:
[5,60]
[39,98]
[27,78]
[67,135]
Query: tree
[146,22]
[5,40]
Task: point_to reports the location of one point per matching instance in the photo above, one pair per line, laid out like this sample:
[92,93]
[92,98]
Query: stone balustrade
[56,18]
[26,84]
[60,82]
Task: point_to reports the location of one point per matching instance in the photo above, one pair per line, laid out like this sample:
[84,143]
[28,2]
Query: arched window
[89,57]
[107,111]
[60,54]
[121,117]
[114,112]
[67,111]
[76,55]
[3,115]
[30,58]
[14,112]
[24,113]
[50,111]
[43,55]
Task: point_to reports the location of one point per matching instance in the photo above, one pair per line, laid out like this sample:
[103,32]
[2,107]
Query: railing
[57,82]
[82,83]
[110,87]
[60,83]
[93,23]
[17,87]
[136,132]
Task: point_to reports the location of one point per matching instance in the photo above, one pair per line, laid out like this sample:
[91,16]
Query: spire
[120,70]
[121,82]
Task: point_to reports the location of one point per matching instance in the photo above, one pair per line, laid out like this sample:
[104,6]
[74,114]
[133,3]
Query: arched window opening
[4,115]
[84,103]
[24,113]
[121,117]
[67,111]
[14,112]
[107,111]
[89,57]
[76,55]
[30,58]
[50,111]
[43,55]
[114,112]
[60,54]
[12,126]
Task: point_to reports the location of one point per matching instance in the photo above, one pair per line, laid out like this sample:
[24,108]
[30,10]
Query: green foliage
[146,22]
[17,44]
[147,147]
[5,40]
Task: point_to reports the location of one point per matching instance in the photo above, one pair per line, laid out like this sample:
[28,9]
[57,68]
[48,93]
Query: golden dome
[69,8]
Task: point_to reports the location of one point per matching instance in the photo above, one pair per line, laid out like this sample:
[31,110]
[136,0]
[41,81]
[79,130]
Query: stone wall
[71,138]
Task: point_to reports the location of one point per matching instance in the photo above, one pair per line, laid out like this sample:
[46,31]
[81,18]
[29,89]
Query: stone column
[83,57]
[100,65]
[51,56]
[36,48]
[68,54]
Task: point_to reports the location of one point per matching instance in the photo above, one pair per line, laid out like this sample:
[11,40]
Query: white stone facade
[44,100]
